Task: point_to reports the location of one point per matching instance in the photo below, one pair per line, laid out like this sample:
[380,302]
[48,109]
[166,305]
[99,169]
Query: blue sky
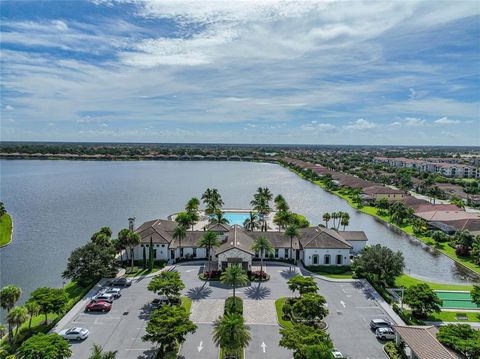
[392,72]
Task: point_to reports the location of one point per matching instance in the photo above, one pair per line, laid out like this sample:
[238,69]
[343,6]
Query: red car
[98,306]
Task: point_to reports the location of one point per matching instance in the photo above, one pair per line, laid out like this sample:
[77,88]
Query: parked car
[105,297]
[385,333]
[337,354]
[98,306]
[121,282]
[74,333]
[379,323]
[116,292]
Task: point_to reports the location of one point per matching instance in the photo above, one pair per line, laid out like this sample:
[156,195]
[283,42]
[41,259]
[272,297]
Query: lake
[57,205]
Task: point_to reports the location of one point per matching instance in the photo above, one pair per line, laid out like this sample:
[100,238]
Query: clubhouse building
[314,245]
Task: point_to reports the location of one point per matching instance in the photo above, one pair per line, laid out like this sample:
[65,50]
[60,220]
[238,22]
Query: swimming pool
[236,217]
[456,300]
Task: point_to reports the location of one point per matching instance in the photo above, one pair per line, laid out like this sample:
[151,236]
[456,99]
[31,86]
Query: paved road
[264,344]
[200,345]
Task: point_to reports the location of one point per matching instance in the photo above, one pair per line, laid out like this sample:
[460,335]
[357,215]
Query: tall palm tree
[281,204]
[251,223]
[230,333]
[212,199]
[262,246]
[345,221]
[123,240]
[98,353]
[180,232]
[134,240]
[292,232]
[218,218]
[33,309]
[192,205]
[282,219]
[326,218]
[9,295]
[16,317]
[234,275]
[209,240]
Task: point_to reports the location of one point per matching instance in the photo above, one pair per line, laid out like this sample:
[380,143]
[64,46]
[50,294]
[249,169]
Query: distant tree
[326,218]
[302,284]
[33,309]
[15,318]
[345,220]
[398,212]
[261,204]
[310,307]
[251,223]
[435,192]
[464,241]
[50,300]
[209,240]
[45,346]
[462,338]
[179,233]
[439,237]
[475,294]
[168,327]
[212,200]
[282,219]
[235,276]
[230,333]
[97,352]
[9,295]
[291,232]
[184,219]
[134,240]
[300,338]
[422,300]
[382,203]
[192,205]
[168,284]
[123,238]
[2,209]
[379,263]
[262,246]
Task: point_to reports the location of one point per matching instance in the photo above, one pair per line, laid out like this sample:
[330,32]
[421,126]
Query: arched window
[326,259]
[339,259]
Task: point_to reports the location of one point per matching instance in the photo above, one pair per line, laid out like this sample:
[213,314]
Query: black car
[121,282]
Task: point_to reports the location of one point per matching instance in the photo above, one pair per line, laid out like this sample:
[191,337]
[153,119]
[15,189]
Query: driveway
[260,312]
[207,310]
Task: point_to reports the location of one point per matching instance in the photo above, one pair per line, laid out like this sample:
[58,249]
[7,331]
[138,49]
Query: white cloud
[318,127]
[8,107]
[396,124]
[412,94]
[414,122]
[446,121]
[361,124]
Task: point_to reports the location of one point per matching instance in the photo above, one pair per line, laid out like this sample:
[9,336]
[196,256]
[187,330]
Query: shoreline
[475,274]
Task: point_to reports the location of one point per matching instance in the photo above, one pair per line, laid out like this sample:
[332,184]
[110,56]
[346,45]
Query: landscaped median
[230,332]
[6,228]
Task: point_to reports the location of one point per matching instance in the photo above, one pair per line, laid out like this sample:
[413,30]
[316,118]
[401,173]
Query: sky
[309,72]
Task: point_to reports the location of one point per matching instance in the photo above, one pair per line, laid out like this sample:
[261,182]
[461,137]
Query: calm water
[57,205]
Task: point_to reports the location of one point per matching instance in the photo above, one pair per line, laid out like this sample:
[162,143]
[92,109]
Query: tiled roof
[236,238]
[353,235]
[381,190]
[437,207]
[423,342]
[446,216]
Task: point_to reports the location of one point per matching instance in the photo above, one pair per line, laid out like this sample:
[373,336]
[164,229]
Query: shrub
[233,305]
[461,251]
[213,274]
[258,275]
[393,351]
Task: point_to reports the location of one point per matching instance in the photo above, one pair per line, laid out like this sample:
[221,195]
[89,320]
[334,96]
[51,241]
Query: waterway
[57,205]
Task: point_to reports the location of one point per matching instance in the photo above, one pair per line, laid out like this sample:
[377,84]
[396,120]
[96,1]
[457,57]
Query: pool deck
[204,218]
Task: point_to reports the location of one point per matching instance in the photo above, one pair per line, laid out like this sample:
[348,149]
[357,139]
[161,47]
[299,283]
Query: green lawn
[407,281]
[327,272]
[5,229]
[279,303]
[452,317]
[139,271]
[186,303]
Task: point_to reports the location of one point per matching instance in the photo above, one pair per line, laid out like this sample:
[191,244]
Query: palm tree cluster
[212,200]
[338,218]
[263,247]
[261,204]
[128,239]
[209,241]
[185,220]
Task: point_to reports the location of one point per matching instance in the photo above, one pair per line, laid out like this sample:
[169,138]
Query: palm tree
[282,219]
[33,309]
[281,204]
[212,199]
[184,219]
[218,218]
[180,232]
[345,221]
[209,240]
[16,317]
[251,223]
[9,295]
[230,333]
[234,275]
[263,246]
[123,240]
[2,331]
[98,353]
[291,231]
[326,218]
[261,205]
[192,205]
[133,240]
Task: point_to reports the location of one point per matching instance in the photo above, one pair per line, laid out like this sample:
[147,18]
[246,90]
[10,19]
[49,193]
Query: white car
[385,333]
[336,354]
[105,297]
[116,292]
[74,334]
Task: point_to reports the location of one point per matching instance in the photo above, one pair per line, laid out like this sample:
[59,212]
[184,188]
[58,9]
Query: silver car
[105,297]
[116,292]
[74,333]
[385,333]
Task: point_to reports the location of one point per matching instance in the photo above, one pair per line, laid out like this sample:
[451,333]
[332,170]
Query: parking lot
[351,308]
[121,329]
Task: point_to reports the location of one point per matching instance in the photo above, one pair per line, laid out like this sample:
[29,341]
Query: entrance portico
[234,256]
